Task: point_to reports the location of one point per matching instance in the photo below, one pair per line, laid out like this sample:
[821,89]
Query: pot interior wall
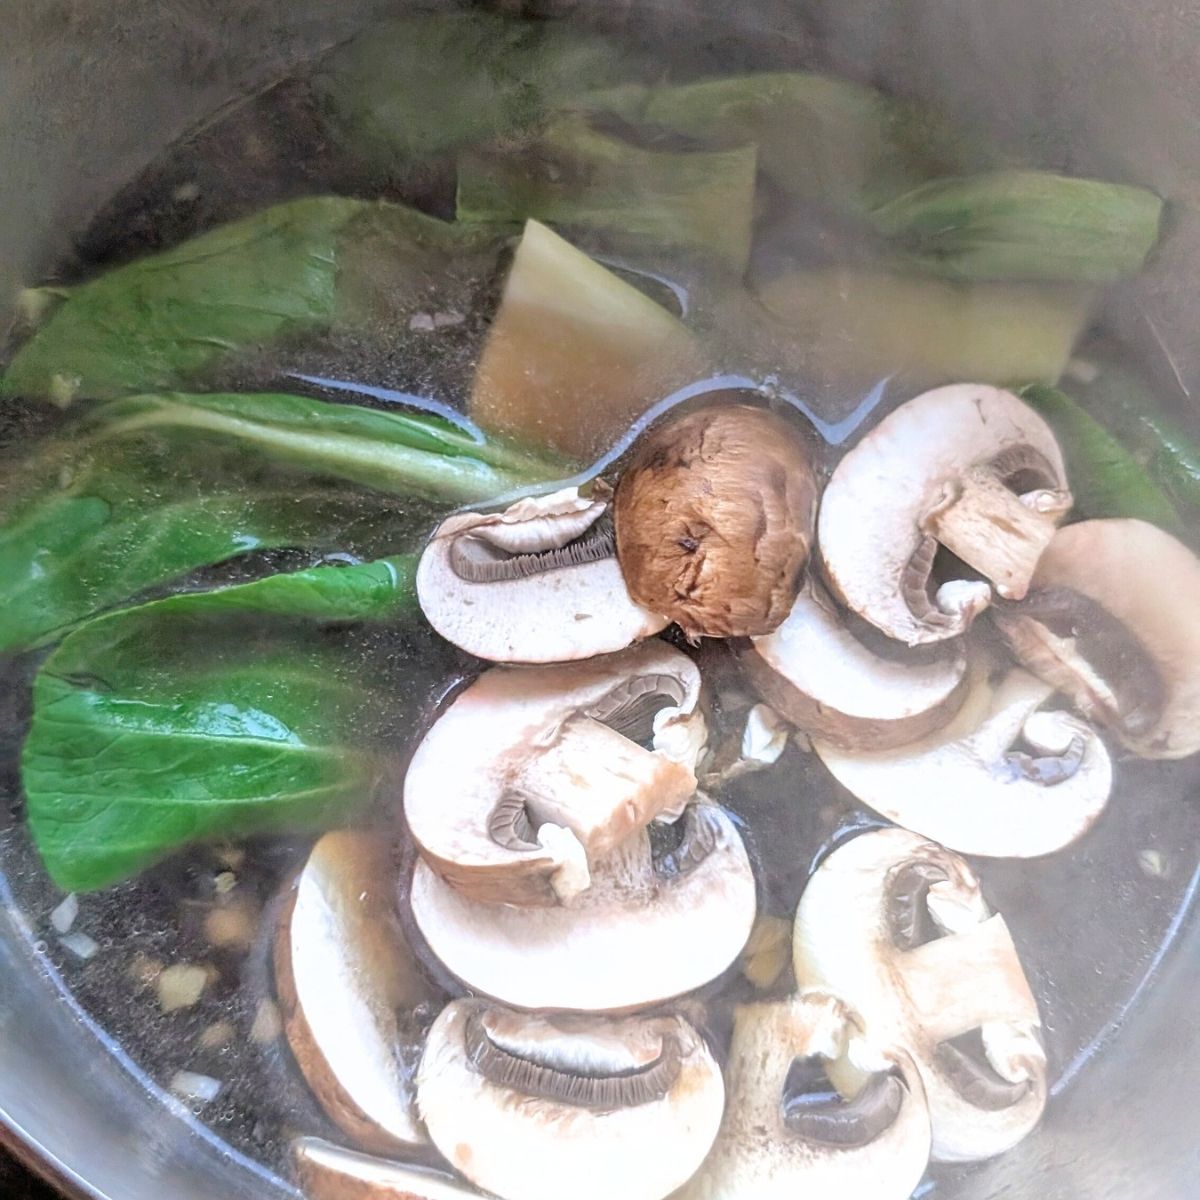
[90,93]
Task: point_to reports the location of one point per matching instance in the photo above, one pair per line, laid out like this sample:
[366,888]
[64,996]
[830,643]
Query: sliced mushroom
[827,682]
[968,467]
[1113,620]
[788,1129]
[868,928]
[331,1173]
[714,519]
[646,930]
[533,773]
[538,1108]
[536,583]
[328,1172]
[349,987]
[972,787]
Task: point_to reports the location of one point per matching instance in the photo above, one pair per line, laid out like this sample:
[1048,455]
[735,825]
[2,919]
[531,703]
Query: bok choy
[426,84]
[212,715]
[148,488]
[1023,225]
[1106,479]
[662,193]
[167,321]
[819,139]
[1137,416]
[867,324]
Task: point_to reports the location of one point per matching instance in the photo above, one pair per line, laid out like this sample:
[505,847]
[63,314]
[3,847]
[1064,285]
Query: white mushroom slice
[1113,620]
[329,1172]
[538,1108]
[973,788]
[968,467]
[525,754]
[348,986]
[819,676]
[646,930]
[788,1130]
[536,583]
[868,928]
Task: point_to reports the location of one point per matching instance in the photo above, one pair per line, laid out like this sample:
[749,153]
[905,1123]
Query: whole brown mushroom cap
[714,520]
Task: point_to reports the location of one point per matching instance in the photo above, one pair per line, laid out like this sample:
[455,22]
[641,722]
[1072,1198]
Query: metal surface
[90,90]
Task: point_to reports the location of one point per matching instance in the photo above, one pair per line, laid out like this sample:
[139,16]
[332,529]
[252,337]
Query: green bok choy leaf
[212,715]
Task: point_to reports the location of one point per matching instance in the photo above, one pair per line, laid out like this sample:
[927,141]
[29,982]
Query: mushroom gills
[477,557]
[1028,473]
[538,582]
[510,824]
[630,708]
[1079,647]
[914,584]
[701,832]
[532,1107]
[573,1069]
[1049,769]
[963,1060]
[950,606]
[813,1109]
[909,919]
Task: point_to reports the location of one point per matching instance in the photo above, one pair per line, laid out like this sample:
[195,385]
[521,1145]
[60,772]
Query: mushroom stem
[868,1139]
[767,1038]
[601,786]
[627,870]
[992,530]
[942,980]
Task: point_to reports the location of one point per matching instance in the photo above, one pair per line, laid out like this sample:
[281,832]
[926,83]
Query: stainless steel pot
[90,91]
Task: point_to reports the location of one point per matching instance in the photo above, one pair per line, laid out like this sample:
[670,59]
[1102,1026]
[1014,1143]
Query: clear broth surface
[1091,922]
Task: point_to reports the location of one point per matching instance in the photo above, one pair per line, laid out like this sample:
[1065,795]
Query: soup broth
[800,296]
